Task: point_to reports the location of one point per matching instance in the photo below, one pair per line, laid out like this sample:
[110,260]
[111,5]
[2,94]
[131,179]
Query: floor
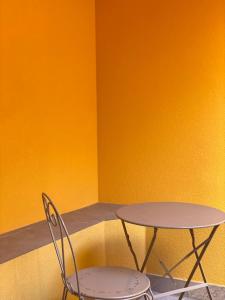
[176,297]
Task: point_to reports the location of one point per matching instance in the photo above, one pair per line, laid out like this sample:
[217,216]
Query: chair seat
[110,282]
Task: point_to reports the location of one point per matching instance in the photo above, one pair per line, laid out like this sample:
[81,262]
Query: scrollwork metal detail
[60,233]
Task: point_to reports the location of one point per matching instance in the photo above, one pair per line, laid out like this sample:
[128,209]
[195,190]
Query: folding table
[174,215]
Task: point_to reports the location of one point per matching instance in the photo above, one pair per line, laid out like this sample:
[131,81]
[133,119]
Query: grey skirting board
[22,240]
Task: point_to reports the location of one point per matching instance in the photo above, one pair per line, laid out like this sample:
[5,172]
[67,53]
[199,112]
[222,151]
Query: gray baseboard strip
[23,240]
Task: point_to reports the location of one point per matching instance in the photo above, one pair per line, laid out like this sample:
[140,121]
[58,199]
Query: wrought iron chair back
[59,232]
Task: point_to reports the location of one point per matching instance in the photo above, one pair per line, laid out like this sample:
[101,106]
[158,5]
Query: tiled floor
[218,293]
[176,297]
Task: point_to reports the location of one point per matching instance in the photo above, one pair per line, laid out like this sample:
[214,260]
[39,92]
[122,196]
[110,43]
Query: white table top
[173,215]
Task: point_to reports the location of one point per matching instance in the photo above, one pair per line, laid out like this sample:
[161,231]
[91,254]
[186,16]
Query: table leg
[168,272]
[198,259]
[132,250]
[164,267]
[130,245]
[146,296]
[200,265]
[204,245]
[149,248]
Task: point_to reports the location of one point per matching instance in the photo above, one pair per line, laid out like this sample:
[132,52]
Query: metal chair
[111,283]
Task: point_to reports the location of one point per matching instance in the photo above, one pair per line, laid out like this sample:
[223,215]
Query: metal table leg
[149,249]
[200,265]
[132,250]
[135,257]
[130,245]
[204,245]
[168,272]
[198,259]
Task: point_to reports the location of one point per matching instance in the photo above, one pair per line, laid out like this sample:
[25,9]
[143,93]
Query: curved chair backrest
[59,231]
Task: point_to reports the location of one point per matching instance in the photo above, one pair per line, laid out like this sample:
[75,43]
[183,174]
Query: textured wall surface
[47,107]
[160,89]
[43,280]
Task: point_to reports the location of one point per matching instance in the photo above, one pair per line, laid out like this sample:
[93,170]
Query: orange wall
[48,107]
[160,89]
[160,72]
[161,100]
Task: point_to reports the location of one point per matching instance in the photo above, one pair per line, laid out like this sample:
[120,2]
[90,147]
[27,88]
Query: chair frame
[56,223]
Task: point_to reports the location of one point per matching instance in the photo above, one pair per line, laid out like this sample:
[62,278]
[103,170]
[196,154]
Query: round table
[174,215]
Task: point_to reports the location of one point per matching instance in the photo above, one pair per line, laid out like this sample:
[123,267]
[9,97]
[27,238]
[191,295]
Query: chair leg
[148,295]
[65,291]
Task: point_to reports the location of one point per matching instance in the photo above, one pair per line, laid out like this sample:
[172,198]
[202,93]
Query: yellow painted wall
[160,89]
[170,246]
[47,107]
[116,249]
[43,281]
[160,72]
[23,282]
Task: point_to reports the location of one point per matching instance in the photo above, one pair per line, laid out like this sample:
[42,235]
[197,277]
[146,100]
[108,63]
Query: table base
[198,255]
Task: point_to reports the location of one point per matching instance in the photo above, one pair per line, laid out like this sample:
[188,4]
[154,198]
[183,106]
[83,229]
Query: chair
[111,283]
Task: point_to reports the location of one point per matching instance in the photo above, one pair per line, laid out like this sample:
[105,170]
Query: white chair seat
[110,283]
